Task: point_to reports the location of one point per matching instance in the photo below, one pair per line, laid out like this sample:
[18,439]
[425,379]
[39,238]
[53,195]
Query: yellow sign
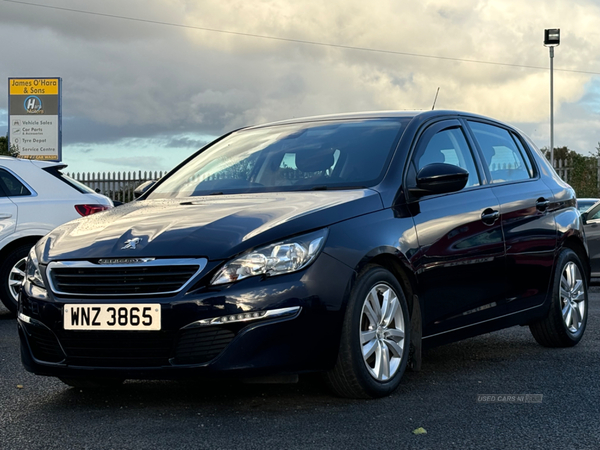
[40,86]
[40,157]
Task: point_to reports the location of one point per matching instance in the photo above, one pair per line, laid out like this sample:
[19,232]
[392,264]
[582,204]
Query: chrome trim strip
[483,321]
[200,262]
[24,318]
[268,314]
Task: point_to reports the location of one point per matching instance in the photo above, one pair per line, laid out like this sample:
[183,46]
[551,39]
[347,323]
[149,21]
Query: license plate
[140,317]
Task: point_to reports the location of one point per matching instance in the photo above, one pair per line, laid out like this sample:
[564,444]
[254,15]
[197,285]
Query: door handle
[489,216]
[542,204]
[5,216]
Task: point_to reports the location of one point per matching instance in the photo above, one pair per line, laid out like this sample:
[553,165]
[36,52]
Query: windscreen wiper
[335,188]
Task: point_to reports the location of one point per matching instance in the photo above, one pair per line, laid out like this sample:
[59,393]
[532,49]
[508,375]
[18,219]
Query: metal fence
[583,176]
[119,186]
[562,168]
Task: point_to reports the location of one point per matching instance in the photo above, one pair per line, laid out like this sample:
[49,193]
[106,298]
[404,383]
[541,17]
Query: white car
[584,204]
[35,198]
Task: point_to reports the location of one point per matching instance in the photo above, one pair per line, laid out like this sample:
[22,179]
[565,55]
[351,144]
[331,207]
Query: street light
[551,40]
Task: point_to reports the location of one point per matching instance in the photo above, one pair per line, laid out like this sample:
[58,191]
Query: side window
[448,146]
[503,153]
[11,185]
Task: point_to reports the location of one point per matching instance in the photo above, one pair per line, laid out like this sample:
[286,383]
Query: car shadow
[217,397]
[508,360]
[5,314]
[466,362]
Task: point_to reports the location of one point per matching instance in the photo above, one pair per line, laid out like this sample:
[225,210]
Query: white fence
[583,177]
[562,169]
[119,186]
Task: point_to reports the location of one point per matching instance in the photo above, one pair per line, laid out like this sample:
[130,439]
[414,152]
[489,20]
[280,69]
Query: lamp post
[551,40]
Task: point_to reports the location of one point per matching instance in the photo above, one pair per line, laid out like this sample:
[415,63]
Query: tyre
[12,274]
[375,338]
[93,383]
[565,322]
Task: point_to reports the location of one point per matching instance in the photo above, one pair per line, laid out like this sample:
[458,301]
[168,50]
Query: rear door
[529,230]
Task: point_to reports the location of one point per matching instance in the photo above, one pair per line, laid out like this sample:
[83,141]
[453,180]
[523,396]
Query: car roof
[10,160]
[422,114]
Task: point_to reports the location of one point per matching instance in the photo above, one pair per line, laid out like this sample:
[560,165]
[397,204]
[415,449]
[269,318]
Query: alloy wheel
[572,297]
[382,331]
[16,277]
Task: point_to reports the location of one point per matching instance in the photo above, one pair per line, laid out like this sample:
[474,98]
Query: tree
[560,153]
[4,150]
[583,170]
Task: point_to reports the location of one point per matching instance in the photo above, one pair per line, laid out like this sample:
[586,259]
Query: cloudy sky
[147,82]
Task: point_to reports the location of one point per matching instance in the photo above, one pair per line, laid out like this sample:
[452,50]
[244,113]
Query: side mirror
[142,188]
[591,213]
[440,178]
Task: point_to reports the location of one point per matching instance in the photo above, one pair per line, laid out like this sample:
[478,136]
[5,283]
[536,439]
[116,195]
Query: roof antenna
[435,99]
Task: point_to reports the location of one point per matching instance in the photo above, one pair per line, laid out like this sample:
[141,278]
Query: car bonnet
[212,227]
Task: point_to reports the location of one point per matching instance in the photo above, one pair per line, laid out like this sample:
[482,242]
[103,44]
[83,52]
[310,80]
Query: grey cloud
[186,142]
[132,162]
[98,25]
[125,80]
[83,131]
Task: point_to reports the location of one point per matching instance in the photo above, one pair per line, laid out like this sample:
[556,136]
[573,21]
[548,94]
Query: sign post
[34,117]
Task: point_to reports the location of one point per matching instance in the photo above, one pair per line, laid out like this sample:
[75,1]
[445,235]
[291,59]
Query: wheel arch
[10,255]
[25,240]
[575,244]
[395,265]
[400,269]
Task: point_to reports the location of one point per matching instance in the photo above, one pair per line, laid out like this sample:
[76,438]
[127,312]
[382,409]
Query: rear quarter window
[54,171]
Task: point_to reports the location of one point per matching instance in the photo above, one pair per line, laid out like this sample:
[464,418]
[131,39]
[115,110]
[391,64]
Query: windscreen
[306,156]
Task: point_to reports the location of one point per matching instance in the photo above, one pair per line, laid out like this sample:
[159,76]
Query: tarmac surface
[562,410]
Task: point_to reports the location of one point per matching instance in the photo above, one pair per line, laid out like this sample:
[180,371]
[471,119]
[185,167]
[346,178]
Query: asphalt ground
[444,399]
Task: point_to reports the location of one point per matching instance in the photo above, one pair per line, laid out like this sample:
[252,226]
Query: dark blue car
[340,244]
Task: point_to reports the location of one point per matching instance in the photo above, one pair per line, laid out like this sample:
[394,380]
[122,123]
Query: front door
[461,265]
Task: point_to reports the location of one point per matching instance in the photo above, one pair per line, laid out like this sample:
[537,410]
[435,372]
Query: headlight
[275,259]
[32,269]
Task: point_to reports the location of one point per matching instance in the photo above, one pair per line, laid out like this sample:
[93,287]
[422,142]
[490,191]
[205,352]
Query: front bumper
[305,337]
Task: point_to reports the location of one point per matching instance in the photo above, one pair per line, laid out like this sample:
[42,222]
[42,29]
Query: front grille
[118,348]
[199,344]
[43,344]
[89,279]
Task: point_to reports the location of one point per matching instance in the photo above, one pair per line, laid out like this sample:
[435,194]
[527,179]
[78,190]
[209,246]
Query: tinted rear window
[70,181]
